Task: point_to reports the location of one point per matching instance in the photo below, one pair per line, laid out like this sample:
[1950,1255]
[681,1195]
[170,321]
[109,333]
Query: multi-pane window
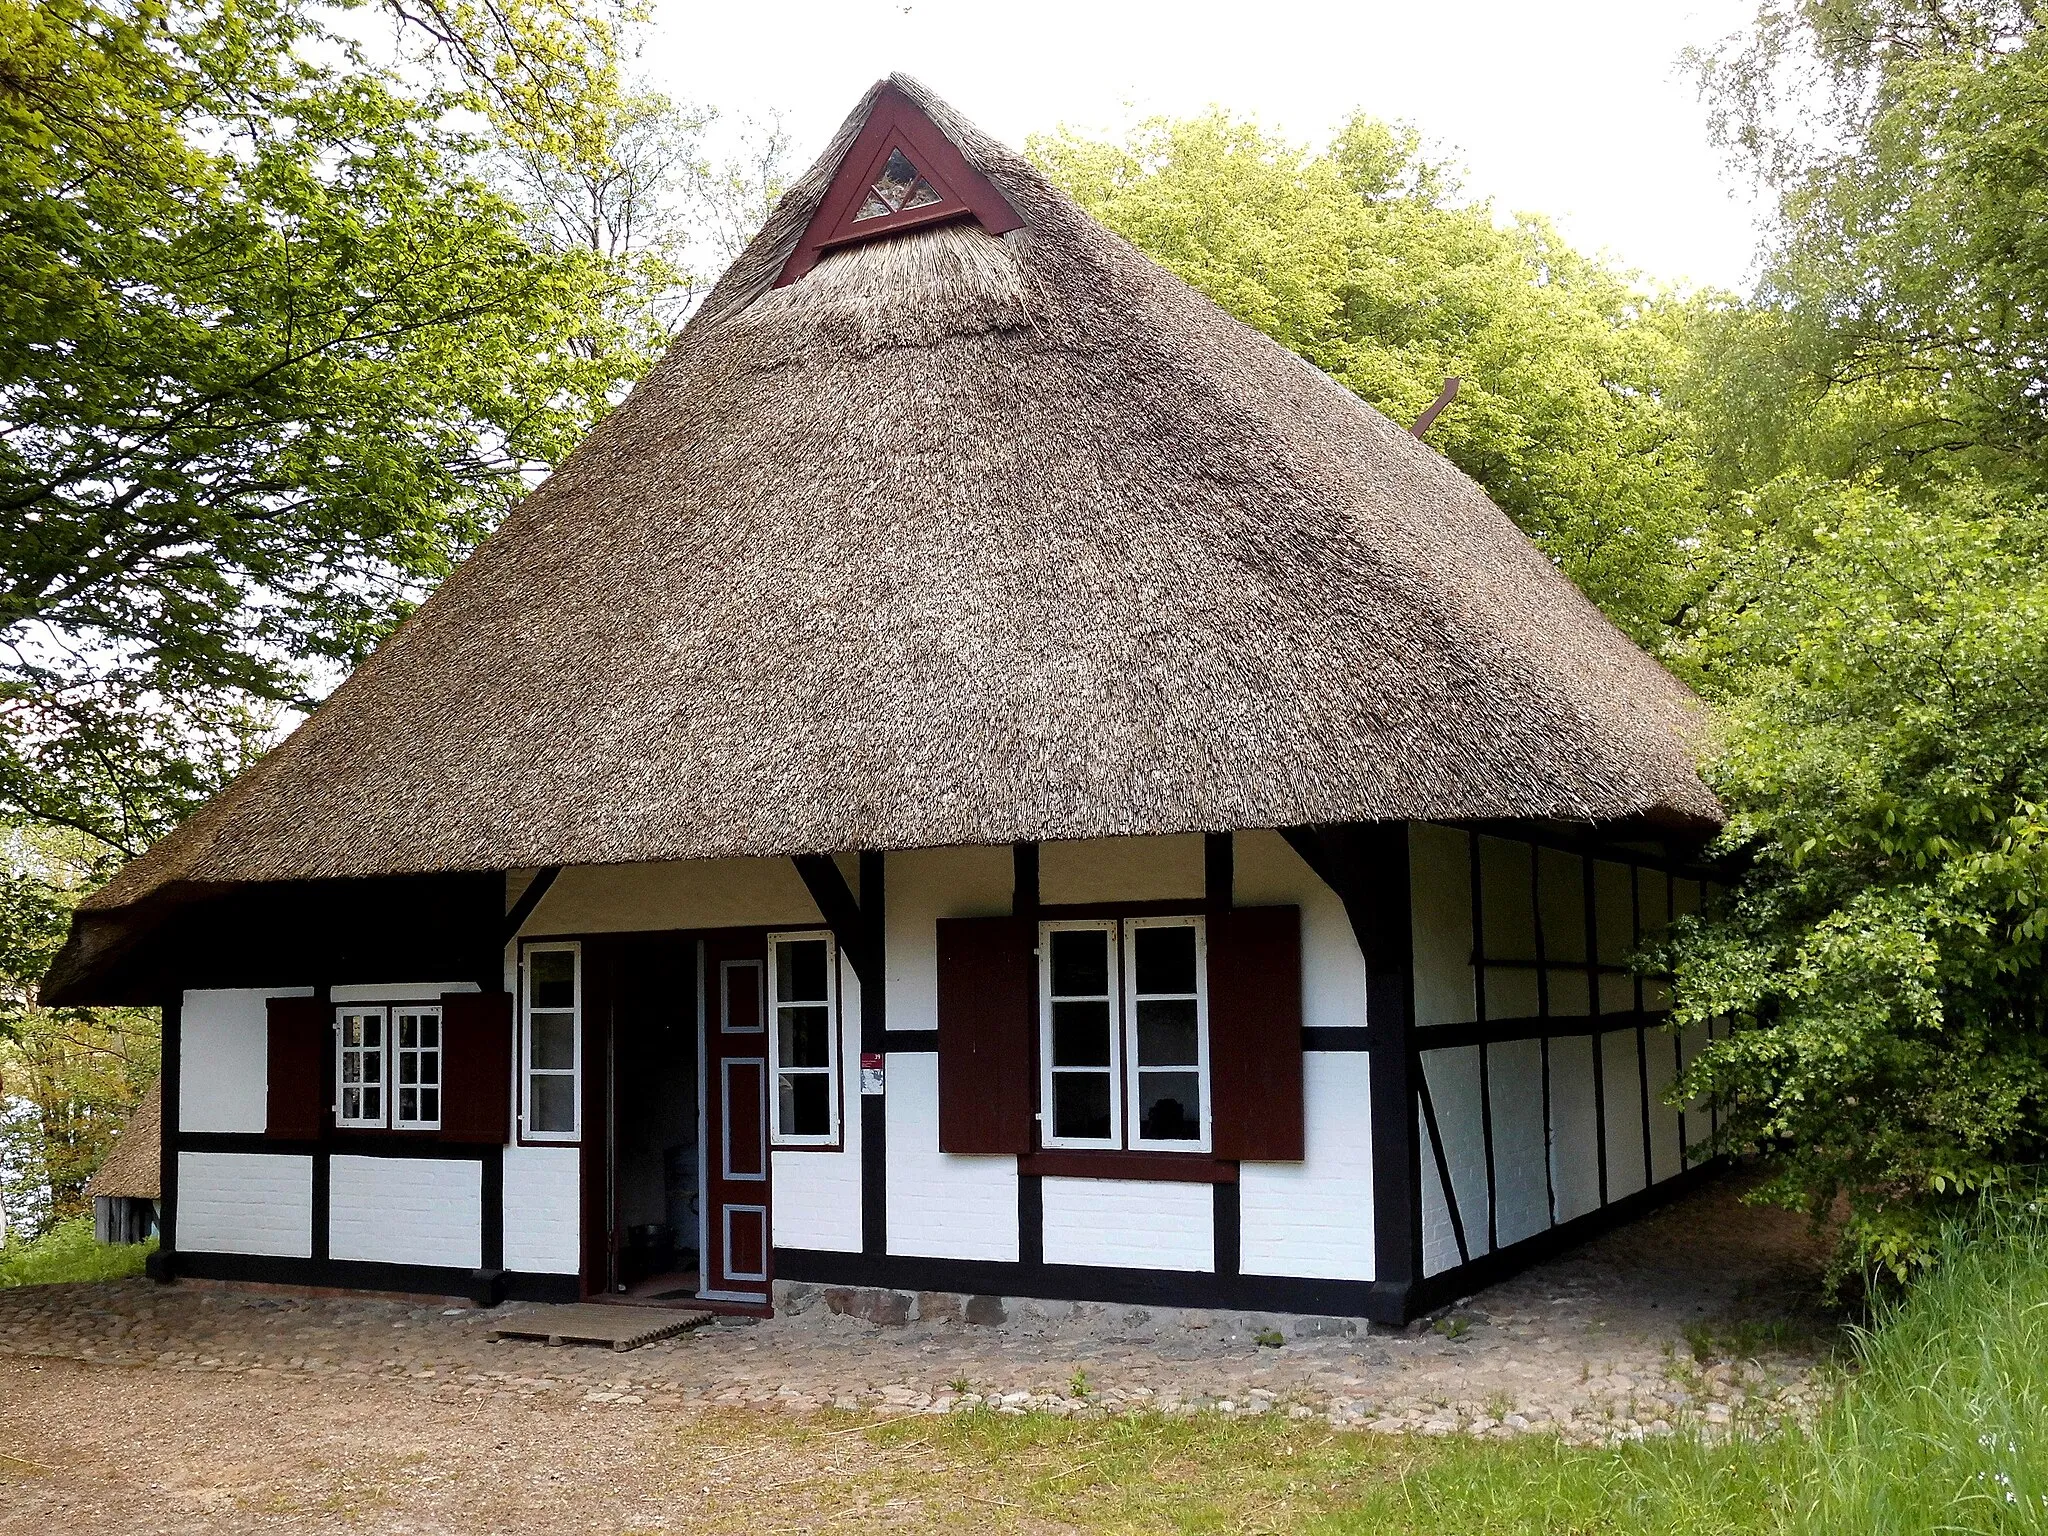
[803,1045]
[417,1087]
[1124,1034]
[1080,1047]
[551,1041]
[359,1067]
[1168,1021]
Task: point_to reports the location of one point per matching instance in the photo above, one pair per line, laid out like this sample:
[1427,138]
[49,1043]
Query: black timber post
[162,1264]
[1366,864]
[1030,1187]
[874,1041]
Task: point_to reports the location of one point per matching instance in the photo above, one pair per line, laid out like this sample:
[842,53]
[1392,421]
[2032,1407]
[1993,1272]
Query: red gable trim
[895,122]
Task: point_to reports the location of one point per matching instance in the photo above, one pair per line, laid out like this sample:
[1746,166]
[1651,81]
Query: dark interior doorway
[655,1142]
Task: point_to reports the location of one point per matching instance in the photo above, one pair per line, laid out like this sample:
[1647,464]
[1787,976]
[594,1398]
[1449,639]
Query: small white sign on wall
[870,1072]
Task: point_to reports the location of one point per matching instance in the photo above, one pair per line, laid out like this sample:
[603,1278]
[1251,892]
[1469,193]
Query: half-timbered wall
[1545,1059]
[1539,1098]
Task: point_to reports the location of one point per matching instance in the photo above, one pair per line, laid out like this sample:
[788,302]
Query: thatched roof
[133,1168]
[962,538]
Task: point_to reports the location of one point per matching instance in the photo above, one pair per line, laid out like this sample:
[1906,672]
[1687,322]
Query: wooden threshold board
[620,1328]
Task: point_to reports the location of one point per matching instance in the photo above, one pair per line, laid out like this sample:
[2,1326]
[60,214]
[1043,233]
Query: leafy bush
[67,1254]
[1886,766]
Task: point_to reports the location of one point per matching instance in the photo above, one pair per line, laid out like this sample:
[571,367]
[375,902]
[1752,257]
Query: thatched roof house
[125,1188]
[949,522]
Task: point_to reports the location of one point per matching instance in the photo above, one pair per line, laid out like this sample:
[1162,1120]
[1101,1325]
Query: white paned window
[1079,1035]
[551,1042]
[359,1066]
[1166,1014]
[803,1038]
[1124,1035]
[416,1087]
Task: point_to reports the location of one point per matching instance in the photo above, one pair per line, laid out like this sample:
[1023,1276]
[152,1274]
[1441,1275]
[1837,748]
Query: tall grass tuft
[68,1253]
[1940,1425]
[1944,1426]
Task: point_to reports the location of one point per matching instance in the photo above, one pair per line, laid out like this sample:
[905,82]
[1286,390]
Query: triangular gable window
[899,173]
[900,190]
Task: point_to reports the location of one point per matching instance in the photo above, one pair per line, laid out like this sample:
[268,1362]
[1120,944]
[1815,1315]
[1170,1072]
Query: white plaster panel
[1122,869]
[942,1205]
[926,884]
[399,991]
[1439,1241]
[1129,1224]
[1561,887]
[815,1199]
[1666,1144]
[1453,1077]
[245,1202]
[1440,900]
[1698,1122]
[224,1059]
[1514,1075]
[1653,892]
[1508,926]
[1314,1218]
[1574,1128]
[543,1210]
[406,1210]
[1614,910]
[1268,873]
[698,893]
[1622,1072]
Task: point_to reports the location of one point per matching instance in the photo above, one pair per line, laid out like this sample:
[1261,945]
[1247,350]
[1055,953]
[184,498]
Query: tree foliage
[1871,616]
[1363,259]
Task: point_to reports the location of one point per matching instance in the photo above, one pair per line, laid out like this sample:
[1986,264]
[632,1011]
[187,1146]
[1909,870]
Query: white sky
[1572,108]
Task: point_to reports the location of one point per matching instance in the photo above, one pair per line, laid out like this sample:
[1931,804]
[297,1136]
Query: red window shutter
[1255,1033]
[301,1031]
[986,1029]
[476,1067]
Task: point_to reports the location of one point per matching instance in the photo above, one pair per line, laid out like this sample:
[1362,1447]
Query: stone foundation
[900,1309]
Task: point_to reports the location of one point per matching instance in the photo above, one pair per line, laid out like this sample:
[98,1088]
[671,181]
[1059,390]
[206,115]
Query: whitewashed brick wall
[926,884]
[1124,1223]
[942,1206]
[245,1202]
[1623,1084]
[1314,1218]
[1453,1077]
[224,1060]
[543,1210]
[816,1202]
[1514,1073]
[406,1210]
[1574,1143]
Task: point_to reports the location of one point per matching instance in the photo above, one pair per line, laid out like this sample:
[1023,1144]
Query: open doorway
[655,1157]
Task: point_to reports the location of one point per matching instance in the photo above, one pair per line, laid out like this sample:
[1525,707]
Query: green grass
[1940,1425]
[67,1253]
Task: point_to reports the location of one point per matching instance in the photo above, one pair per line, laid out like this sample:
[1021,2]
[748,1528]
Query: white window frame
[830,1072]
[382,1051]
[399,1051]
[1047,1071]
[1133,1068]
[527,1071]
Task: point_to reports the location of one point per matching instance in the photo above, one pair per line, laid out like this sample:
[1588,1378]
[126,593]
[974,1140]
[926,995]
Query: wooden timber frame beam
[1366,865]
[857,930]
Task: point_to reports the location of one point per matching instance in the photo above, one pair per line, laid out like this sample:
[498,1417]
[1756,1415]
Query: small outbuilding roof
[133,1169]
[958,536]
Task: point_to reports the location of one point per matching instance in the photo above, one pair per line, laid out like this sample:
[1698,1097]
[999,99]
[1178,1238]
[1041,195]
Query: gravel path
[1698,1315]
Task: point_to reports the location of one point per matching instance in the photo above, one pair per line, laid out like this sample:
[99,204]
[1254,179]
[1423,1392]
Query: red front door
[733,1024]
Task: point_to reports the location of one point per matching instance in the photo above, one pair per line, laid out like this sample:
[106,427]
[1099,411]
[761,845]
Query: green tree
[1363,259]
[272,354]
[1870,616]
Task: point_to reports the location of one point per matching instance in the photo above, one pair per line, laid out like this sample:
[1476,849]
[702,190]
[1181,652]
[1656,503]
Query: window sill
[1172,1167]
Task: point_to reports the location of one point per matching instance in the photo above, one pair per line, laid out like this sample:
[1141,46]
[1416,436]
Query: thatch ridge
[963,539]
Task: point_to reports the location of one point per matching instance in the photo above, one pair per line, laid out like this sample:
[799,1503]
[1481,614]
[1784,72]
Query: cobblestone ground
[1699,1315]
